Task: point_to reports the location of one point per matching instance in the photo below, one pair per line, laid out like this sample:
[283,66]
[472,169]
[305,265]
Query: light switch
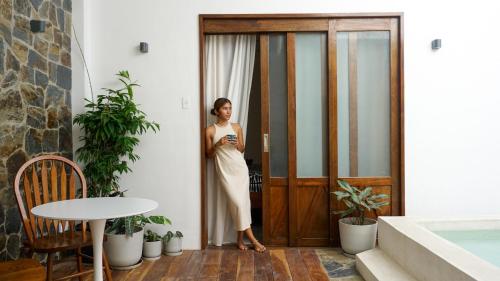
[186,103]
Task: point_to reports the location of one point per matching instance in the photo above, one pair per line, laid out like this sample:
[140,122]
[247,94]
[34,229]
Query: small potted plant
[151,249]
[125,238]
[173,243]
[358,233]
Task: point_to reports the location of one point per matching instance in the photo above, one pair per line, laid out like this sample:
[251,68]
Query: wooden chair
[58,182]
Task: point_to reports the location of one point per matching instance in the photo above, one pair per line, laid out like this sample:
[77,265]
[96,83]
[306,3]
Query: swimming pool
[444,250]
[484,243]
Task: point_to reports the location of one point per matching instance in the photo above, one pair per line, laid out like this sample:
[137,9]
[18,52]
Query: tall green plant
[358,202]
[111,126]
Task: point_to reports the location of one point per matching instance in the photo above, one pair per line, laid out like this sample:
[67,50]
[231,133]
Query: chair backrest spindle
[63,191]
[38,200]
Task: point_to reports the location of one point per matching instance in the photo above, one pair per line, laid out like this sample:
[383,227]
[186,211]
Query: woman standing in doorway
[224,143]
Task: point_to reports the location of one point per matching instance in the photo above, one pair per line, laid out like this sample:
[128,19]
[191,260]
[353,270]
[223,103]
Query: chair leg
[79,262]
[49,266]
[107,270]
[30,253]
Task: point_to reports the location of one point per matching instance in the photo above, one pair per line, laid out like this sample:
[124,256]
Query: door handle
[266,142]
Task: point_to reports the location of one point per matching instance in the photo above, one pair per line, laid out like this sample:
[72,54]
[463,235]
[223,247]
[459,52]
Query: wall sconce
[144,47]
[37,26]
[436,44]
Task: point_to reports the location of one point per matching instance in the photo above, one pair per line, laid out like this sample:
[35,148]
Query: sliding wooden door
[294,92]
[331,103]
[275,152]
[365,110]
[309,142]
[330,110]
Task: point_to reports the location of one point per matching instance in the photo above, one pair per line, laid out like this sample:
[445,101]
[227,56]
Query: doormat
[338,266]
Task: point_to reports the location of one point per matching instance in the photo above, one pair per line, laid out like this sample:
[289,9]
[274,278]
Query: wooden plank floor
[223,264]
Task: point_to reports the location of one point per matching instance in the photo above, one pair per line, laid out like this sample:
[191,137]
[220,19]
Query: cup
[231,137]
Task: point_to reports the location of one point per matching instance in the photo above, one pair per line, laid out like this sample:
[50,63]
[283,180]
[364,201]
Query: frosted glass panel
[363,100]
[278,104]
[311,104]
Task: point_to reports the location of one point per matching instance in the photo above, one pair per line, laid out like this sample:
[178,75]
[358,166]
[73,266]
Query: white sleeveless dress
[232,172]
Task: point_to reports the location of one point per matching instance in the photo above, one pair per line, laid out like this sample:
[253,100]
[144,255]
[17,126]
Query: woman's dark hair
[220,102]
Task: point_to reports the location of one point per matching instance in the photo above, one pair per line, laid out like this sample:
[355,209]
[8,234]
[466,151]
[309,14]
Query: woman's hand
[224,140]
[234,141]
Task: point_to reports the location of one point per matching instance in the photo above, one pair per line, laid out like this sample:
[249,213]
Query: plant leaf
[341,195]
[365,192]
[159,220]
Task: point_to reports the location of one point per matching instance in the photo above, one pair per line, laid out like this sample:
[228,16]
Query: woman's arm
[240,144]
[209,145]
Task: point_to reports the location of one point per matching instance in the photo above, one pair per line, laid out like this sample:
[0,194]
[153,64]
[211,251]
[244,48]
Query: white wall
[451,96]
[80,87]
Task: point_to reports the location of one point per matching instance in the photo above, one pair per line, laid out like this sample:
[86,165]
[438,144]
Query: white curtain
[228,73]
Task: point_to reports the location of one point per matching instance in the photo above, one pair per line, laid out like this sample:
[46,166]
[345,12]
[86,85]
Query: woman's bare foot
[242,246]
[259,248]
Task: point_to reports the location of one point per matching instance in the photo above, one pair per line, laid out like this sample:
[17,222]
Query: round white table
[96,211]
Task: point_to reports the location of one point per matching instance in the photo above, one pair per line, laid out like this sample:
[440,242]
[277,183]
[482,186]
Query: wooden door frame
[255,23]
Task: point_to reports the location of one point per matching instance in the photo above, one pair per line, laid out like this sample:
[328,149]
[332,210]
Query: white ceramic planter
[151,249]
[357,238]
[173,247]
[122,250]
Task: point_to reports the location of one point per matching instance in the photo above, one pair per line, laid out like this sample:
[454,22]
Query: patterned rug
[338,266]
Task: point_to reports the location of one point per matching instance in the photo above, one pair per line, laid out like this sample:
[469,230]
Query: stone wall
[35,101]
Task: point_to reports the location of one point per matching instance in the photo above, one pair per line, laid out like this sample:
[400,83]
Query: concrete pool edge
[426,256]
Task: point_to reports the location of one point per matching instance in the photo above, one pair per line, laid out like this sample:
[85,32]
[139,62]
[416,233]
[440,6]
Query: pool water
[482,243]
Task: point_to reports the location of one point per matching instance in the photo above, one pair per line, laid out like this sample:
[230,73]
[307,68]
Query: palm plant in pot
[357,232]
[173,243]
[110,127]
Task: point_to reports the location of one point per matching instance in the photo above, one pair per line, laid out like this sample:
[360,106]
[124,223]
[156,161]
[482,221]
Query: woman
[224,143]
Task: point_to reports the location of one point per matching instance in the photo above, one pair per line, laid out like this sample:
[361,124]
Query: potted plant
[111,125]
[358,233]
[173,243]
[125,238]
[152,245]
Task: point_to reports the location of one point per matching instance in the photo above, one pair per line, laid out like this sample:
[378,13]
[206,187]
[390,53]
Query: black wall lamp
[436,44]
[37,26]
[144,47]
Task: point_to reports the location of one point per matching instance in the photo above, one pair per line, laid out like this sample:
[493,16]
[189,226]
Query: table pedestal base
[97,228]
